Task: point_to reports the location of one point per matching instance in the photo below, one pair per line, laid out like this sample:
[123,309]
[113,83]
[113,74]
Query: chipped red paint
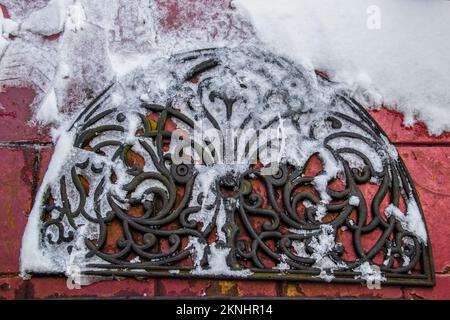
[430,169]
[15,203]
[392,124]
[335,290]
[5,11]
[439,292]
[15,116]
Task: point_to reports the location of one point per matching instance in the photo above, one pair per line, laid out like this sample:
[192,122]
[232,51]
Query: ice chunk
[48,110]
[353,201]
[48,20]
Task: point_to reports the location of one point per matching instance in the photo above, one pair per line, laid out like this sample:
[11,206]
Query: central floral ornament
[229,162]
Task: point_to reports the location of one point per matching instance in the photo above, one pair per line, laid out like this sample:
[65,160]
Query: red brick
[335,290]
[57,288]
[15,203]
[177,17]
[392,124]
[15,116]
[45,155]
[429,167]
[257,288]
[183,287]
[12,288]
[440,292]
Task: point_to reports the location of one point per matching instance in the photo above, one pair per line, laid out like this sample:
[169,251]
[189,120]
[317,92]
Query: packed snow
[354,201]
[371,274]
[411,221]
[394,53]
[8,27]
[391,53]
[31,255]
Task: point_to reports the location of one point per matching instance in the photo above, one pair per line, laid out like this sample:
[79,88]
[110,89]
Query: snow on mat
[114,198]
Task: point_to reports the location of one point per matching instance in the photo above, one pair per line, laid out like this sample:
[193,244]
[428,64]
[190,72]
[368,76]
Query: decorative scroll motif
[339,207]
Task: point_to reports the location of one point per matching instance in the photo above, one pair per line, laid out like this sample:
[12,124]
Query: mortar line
[158,288]
[422,144]
[35,173]
[279,285]
[25,144]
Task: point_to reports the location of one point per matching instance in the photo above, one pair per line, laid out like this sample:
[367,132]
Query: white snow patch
[388,52]
[7,27]
[353,201]
[283,265]
[370,273]
[216,261]
[392,151]
[48,20]
[322,244]
[48,111]
[328,277]
[64,70]
[124,64]
[135,260]
[321,212]
[411,221]
[133,123]
[76,17]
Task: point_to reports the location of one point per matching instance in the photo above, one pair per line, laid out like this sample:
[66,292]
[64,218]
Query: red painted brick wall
[25,152]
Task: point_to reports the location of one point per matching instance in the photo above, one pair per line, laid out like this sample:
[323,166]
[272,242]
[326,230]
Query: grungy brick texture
[392,124]
[56,287]
[257,288]
[440,292]
[45,155]
[15,116]
[430,170]
[12,288]
[16,182]
[216,288]
[183,287]
[334,290]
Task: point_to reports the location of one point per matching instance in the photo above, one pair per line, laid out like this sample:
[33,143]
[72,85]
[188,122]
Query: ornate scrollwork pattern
[340,200]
